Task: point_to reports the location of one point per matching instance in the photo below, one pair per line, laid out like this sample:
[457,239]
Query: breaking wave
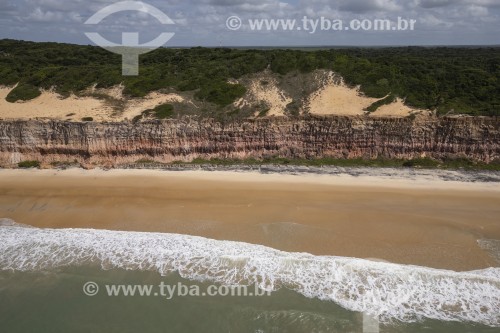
[391,291]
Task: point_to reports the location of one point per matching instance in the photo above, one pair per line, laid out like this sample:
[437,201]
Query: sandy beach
[428,223]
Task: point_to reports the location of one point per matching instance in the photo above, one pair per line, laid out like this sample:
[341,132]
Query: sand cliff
[109,144]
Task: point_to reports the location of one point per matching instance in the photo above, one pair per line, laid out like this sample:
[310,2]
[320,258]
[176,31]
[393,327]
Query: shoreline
[327,175]
[423,221]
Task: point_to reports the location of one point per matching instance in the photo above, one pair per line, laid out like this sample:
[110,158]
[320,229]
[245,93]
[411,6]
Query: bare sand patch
[100,104]
[264,90]
[135,107]
[397,109]
[115,92]
[336,98]
[51,105]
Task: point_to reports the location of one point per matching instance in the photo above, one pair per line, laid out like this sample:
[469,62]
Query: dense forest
[450,80]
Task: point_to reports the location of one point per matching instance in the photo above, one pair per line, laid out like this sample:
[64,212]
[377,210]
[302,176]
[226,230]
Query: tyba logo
[130,49]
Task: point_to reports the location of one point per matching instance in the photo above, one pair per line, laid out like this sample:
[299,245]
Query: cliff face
[109,144]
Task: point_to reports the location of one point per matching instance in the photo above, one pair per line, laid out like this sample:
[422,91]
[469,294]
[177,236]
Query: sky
[205,22]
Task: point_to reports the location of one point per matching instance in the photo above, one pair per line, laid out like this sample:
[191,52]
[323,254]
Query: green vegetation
[88,119]
[164,111]
[23,92]
[221,93]
[450,80]
[420,163]
[264,112]
[28,164]
[388,100]
[304,162]
[423,163]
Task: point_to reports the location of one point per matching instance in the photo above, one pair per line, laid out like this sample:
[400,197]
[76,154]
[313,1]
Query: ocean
[45,276]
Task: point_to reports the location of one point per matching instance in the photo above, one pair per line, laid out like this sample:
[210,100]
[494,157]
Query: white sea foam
[394,292]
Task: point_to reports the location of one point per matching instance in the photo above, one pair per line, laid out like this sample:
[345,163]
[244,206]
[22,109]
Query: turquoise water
[43,273]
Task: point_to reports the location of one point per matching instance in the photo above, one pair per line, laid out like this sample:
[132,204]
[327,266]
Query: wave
[390,291]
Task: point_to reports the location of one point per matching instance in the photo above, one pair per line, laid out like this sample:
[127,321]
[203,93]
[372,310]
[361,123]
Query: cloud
[474,10]
[363,6]
[444,3]
[436,3]
[48,16]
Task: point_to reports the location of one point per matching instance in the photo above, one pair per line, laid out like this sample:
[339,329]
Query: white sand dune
[50,105]
[135,107]
[268,94]
[398,109]
[53,106]
[336,98]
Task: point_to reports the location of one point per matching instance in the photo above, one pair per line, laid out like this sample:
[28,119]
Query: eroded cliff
[108,144]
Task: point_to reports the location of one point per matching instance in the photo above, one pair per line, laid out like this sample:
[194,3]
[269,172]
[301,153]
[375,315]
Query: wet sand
[429,223]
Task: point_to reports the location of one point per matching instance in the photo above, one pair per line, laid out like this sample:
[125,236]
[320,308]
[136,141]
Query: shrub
[163,111]
[385,101]
[221,93]
[459,163]
[421,163]
[28,164]
[137,118]
[145,161]
[293,108]
[23,92]
[87,119]
[264,112]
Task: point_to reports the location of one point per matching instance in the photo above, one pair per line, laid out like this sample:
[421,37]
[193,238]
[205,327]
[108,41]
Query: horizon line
[280,46]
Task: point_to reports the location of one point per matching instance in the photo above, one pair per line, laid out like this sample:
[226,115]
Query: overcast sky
[203,22]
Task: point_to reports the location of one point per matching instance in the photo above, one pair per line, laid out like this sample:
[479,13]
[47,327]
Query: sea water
[43,274]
